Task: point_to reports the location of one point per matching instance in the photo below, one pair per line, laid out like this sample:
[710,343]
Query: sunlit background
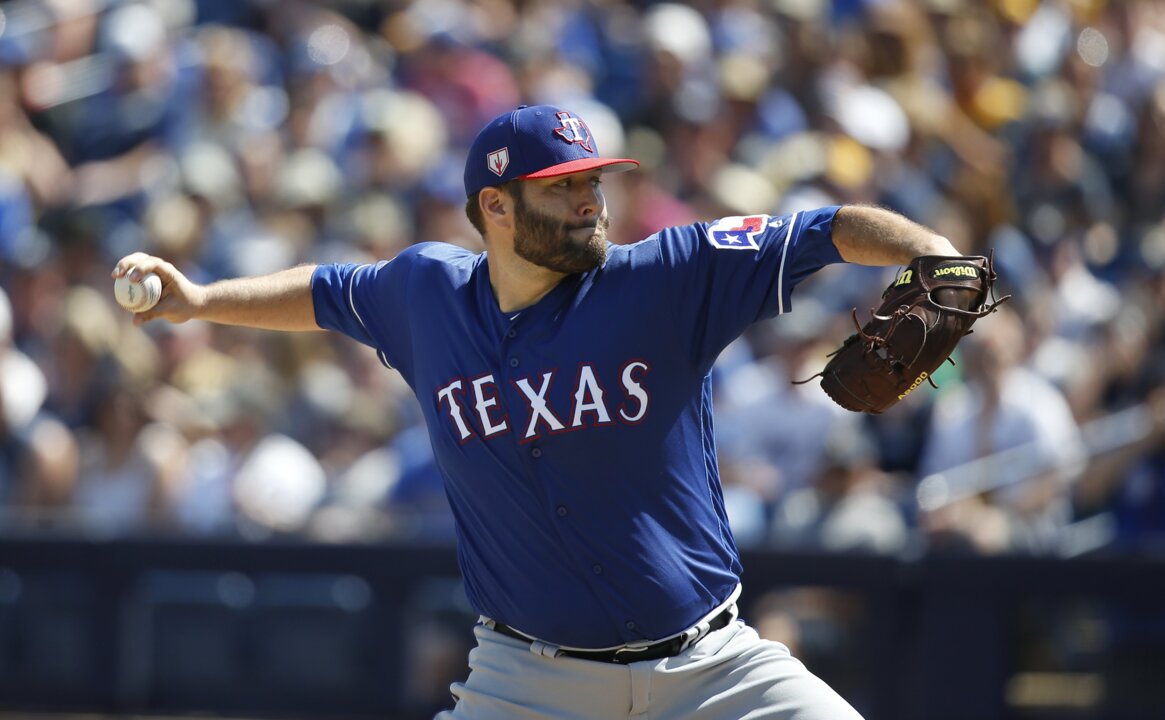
[205,519]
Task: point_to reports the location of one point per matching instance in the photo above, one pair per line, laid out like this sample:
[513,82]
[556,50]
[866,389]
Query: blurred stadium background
[203,520]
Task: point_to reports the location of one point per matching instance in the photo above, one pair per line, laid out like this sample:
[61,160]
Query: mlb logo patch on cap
[535,141]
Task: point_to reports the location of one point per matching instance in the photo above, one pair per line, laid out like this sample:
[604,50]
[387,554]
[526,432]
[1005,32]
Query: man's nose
[590,200]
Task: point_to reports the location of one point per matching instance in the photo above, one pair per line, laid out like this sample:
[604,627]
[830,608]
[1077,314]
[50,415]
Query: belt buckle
[633,649]
[692,635]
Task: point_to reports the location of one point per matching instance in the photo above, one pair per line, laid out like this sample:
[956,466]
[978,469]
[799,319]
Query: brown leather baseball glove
[930,305]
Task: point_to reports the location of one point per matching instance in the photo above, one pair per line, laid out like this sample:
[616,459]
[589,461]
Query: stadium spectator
[1005,433]
[235,137]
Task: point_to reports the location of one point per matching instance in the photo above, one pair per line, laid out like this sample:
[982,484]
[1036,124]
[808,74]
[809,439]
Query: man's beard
[545,240]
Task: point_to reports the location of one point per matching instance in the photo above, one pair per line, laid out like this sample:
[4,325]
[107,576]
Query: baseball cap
[534,141]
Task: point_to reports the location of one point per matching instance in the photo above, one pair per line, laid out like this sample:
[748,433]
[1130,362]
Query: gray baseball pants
[732,674]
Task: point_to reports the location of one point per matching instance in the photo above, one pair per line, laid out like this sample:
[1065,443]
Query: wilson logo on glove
[924,313]
[968,271]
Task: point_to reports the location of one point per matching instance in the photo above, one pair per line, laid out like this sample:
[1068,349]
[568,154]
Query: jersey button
[536,453]
[597,569]
[512,334]
[513,362]
[561,510]
[630,624]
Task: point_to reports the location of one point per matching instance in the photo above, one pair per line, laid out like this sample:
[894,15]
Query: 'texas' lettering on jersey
[474,405]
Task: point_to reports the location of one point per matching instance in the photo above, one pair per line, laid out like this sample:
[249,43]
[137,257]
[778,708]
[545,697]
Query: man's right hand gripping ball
[926,310]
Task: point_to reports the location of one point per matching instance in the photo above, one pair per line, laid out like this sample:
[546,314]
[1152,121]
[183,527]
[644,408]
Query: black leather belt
[629,654]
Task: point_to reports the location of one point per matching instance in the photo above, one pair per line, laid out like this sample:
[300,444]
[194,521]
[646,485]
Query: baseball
[138,296]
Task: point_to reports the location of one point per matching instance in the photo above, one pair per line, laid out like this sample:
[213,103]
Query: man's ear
[497,207]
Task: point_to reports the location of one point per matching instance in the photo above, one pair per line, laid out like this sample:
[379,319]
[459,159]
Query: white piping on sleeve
[351,302]
[781,272]
[356,313]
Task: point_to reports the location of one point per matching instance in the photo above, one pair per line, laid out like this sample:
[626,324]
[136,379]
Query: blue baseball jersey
[575,437]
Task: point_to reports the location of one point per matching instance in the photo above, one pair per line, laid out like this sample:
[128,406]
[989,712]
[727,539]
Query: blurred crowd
[237,137]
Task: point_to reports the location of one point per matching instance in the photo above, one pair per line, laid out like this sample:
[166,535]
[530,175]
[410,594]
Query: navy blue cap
[534,141]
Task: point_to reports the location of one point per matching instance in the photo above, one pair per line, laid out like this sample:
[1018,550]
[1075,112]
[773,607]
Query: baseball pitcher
[565,385]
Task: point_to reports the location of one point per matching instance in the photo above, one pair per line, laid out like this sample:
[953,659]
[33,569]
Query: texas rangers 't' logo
[498,160]
[573,130]
[737,233]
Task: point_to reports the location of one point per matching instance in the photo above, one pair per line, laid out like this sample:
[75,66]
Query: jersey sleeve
[368,304]
[735,271]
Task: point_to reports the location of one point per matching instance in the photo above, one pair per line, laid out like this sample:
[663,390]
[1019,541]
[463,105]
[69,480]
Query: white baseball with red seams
[138,296]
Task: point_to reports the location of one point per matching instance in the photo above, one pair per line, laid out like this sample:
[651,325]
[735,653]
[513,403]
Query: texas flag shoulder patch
[739,232]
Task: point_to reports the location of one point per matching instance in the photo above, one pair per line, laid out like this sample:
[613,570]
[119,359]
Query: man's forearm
[280,301]
[869,235]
